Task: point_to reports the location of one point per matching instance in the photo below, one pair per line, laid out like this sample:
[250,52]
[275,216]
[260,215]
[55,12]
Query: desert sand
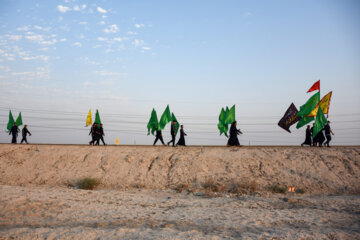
[136,198]
[333,170]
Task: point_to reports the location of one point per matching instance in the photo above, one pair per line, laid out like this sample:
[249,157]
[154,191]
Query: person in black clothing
[94,133]
[97,135]
[181,141]
[172,131]
[308,137]
[233,139]
[321,137]
[14,131]
[159,137]
[328,133]
[25,131]
[101,133]
[315,138]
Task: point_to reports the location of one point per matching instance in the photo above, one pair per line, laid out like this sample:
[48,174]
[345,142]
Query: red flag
[315,87]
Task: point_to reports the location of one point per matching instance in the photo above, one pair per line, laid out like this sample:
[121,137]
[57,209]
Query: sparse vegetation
[233,186]
[137,185]
[242,187]
[181,187]
[88,183]
[277,189]
[210,185]
[300,191]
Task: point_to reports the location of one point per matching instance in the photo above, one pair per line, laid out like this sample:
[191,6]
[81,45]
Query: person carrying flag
[159,137]
[233,139]
[308,140]
[14,131]
[172,132]
[100,134]
[94,133]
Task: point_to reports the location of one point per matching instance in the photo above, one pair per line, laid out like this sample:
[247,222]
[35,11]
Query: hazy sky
[58,59]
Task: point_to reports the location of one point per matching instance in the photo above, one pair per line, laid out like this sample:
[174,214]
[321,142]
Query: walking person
[14,131]
[321,137]
[94,135]
[101,133]
[25,131]
[315,138]
[328,133]
[181,141]
[159,137]
[308,134]
[233,139]
[172,132]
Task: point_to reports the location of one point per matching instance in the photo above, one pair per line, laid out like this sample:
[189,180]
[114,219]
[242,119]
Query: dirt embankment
[334,170]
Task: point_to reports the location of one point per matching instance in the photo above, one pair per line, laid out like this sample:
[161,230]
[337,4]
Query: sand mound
[316,170]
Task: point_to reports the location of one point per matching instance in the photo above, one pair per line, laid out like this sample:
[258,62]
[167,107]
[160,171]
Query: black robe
[159,137]
[25,131]
[321,137]
[100,133]
[172,132]
[181,141]
[308,140]
[315,138]
[233,139]
[94,134]
[14,131]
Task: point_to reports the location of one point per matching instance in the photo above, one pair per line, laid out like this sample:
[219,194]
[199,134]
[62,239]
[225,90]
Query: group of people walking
[233,139]
[319,139]
[14,131]
[97,134]
[181,141]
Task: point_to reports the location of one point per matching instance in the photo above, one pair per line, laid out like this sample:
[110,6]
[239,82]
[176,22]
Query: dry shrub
[137,185]
[300,191]
[277,189]
[234,186]
[253,187]
[181,187]
[244,186]
[88,183]
[211,185]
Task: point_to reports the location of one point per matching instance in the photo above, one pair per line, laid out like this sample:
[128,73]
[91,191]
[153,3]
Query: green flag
[309,105]
[97,118]
[176,127]
[303,121]
[19,120]
[223,128]
[230,115]
[11,121]
[320,122]
[221,121]
[165,118]
[153,123]
[226,112]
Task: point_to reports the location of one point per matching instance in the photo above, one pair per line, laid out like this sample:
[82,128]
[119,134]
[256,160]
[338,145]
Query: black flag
[289,118]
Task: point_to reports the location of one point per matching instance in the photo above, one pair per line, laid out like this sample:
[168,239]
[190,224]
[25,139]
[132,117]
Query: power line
[142,115]
[144,122]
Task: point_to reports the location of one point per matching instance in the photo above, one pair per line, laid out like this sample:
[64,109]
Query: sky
[59,59]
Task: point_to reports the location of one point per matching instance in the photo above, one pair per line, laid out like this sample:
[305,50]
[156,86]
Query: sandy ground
[316,170]
[61,213]
[36,201]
